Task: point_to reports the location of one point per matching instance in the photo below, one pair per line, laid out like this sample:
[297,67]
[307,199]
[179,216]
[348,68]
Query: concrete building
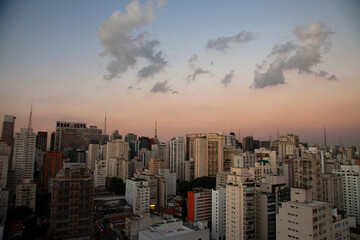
[4,200]
[8,127]
[26,194]
[248,144]
[177,157]
[351,189]
[138,195]
[189,170]
[199,205]
[240,205]
[307,173]
[174,229]
[332,187]
[145,155]
[53,162]
[200,157]
[269,193]
[93,154]
[75,135]
[135,224]
[24,156]
[72,202]
[5,152]
[158,188]
[303,218]
[116,149]
[218,214]
[244,160]
[170,178]
[100,174]
[155,165]
[125,169]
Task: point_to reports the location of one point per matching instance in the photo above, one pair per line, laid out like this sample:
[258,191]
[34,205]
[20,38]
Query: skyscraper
[52,164]
[177,157]
[24,156]
[7,134]
[41,141]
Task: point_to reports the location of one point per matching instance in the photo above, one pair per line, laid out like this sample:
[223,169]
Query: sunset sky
[194,66]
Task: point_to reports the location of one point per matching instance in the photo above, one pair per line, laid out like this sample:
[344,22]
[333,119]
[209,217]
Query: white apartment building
[138,195]
[218,213]
[93,155]
[177,156]
[170,178]
[351,189]
[240,205]
[100,174]
[303,218]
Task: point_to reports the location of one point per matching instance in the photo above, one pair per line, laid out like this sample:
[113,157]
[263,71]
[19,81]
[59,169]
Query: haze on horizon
[194,66]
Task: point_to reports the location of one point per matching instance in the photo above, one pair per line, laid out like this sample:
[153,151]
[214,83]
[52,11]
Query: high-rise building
[53,162]
[207,150]
[199,205]
[155,165]
[332,187]
[189,170]
[7,134]
[138,195]
[240,205]
[170,178]
[218,213]
[24,156]
[52,141]
[72,202]
[75,135]
[248,143]
[125,169]
[177,156]
[303,218]
[93,155]
[269,194]
[26,194]
[5,152]
[116,149]
[41,141]
[144,155]
[145,143]
[351,189]
[100,174]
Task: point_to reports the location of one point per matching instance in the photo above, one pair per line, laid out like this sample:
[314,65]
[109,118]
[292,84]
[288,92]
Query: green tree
[117,185]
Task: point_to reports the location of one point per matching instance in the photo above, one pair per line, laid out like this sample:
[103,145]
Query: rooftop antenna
[325,135]
[30,117]
[156,130]
[277,134]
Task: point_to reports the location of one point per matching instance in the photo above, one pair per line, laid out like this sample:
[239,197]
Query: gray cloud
[162,87]
[228,78]
[223,43]
[197,71]
[193,59]
[115,35]
[308,53]
[332,78]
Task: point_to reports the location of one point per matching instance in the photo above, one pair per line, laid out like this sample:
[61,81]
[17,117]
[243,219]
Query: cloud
[313,43]
[197,71]
[228,78]
[162,87]
[115,35]
[132,88]
[223,43]
[332,78]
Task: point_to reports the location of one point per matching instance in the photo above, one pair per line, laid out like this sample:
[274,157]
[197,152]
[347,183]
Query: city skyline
[192,66]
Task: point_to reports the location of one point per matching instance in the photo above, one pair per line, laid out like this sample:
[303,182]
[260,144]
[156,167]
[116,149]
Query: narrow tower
[325,136]
[156,137]
[30,117]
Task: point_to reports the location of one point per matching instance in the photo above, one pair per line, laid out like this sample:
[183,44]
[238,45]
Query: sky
[251,67]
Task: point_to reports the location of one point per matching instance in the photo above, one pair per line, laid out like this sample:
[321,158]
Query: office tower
[116,149]
[230,152]
[269,194]
[218,213]
[207,150]
[351,189]
[307,173]
[248,143]
[240,205]
[130,137]
[7,134]
[170,178]
[174,229]
[177,156]
[41,141]
[303,218]
[52,141]
[53,162]
[199,205]
[332,187]
[161,150]
[145,143]
[138,195]
[75,135]
[5,152]
[189,170]
[24,156]
[100,174]
[155,165]
[93,155]
[26,194]
[72,202]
